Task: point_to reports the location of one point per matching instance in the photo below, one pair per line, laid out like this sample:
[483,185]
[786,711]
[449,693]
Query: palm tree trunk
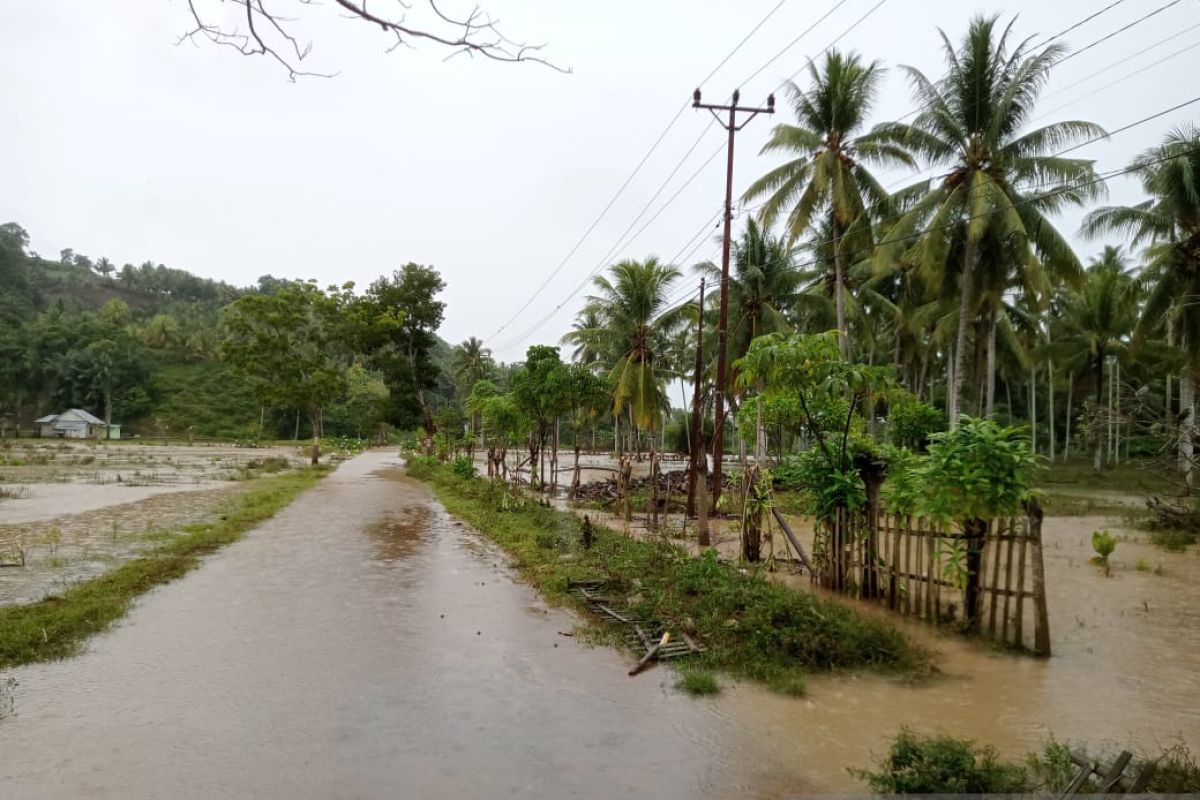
[1109,416]
[1033,408]
[1098,460]
[1116,412]
[967,288]
[1187,423]
[554,461]
[1067,437]
[839,284]
[991,368]
[575,473]
[1050,405]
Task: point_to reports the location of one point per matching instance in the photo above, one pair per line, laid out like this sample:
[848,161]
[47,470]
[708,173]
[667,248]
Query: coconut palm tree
[583,336]
[471,361]
[1169,222]
[1096,321]
[763,287]
[826,176]
[632,306]
[1002,180]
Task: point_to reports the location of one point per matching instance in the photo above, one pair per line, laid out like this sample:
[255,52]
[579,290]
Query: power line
[793,42]
[1124,128]
[1122,79]
[637,169]
[1114,64]
[1119,30]
[925,107]
[602,264]
[1079,24]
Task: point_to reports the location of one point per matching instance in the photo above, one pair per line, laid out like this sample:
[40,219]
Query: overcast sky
[117,142]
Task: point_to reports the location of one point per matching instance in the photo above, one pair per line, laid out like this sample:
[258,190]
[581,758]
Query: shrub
[911,423]
[980,470]
[463,467]
[918,764]
[421,467]
[1104,543]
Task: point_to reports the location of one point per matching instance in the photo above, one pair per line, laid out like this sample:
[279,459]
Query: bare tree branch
[267,33]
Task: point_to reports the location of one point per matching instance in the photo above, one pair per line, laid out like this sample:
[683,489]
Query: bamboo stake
[928,571]
[1008,588]
[935,568]
[920,589]
[908,581]
[997,542]
[1019,621]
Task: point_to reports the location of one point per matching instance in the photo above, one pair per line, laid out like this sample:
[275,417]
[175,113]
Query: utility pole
[732,127]
[697,443]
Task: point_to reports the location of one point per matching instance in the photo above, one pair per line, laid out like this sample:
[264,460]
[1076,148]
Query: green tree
[827,175]
[538,390]
[1169,223]
[287,343]
[1002,179]
[405,316]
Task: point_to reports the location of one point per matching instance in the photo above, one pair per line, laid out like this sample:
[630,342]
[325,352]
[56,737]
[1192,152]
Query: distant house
[76,423]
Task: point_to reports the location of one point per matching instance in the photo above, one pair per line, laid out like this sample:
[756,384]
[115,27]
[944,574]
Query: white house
[75,423]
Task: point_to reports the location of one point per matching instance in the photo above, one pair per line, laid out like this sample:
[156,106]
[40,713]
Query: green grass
[696,681]
[922,764]
[57,626]
[752,627]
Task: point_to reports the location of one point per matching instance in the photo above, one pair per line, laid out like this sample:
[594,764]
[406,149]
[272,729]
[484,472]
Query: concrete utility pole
[732,127]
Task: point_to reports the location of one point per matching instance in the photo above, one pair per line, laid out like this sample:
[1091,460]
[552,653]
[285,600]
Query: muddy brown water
[312,659]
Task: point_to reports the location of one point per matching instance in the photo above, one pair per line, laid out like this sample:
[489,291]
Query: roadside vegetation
[58,626]
[752,628]
[919,764]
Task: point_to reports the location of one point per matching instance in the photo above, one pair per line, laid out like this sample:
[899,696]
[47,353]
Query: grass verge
[752,627]
[920,764]
[57,626]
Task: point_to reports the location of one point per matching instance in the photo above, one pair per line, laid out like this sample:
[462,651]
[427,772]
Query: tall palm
[1169,222]
[1001,181]
[584,337]
[632,308]
[763,287]
[472,361]
[826,176]
[1098,319]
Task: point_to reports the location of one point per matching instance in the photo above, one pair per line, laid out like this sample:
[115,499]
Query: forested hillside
[147,347]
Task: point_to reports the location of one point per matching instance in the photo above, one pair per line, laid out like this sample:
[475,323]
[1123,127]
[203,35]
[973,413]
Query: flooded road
[363,644]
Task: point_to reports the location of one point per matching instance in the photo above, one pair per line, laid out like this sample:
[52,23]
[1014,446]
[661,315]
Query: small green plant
[697,681]
[463,467]
[421,467]
[1104,543]
[919,764]
[1142,566]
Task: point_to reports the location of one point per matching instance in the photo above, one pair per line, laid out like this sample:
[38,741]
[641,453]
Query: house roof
[81,415]
[46,419]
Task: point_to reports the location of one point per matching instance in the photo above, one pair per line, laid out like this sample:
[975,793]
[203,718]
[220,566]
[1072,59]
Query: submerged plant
[1104,543]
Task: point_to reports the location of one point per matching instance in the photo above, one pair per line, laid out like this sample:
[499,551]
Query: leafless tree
[256,29]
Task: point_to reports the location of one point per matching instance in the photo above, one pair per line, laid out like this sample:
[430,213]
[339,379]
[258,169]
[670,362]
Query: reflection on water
[362,643]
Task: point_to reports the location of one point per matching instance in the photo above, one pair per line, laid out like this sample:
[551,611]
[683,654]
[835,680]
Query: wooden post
[1019,629]
[908,581]
[935,574]
[918,589]
[1008,587]
[998,544]
[1041,614]
[974,533]
[931,587]
[894,583]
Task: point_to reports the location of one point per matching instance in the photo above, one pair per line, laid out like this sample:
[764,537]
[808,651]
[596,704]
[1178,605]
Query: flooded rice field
[70,511]
[363,643]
